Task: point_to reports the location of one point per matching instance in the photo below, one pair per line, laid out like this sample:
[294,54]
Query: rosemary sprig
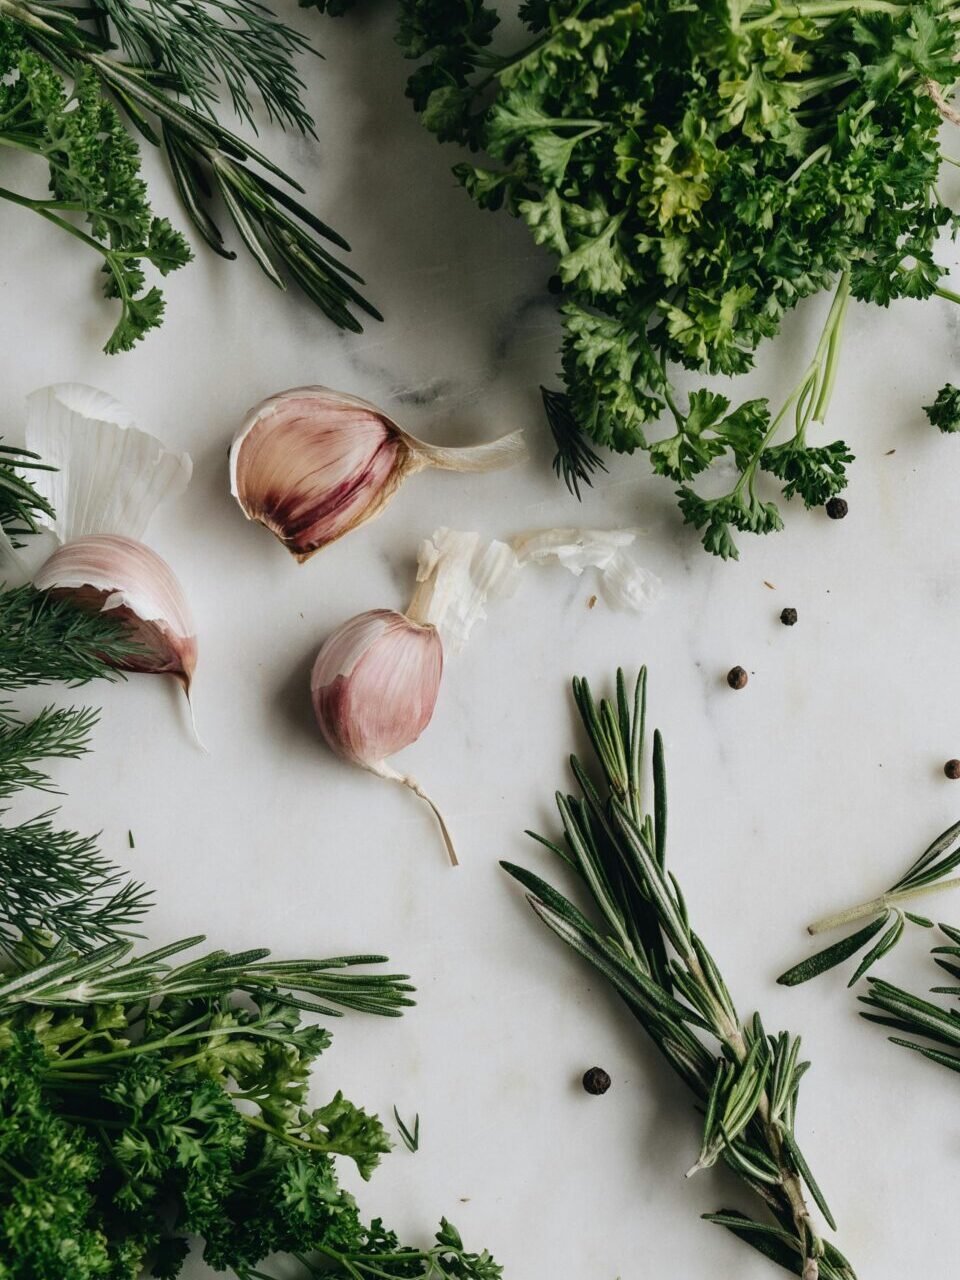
[912,1015]
[926,875]
[20,504]
[411,1137]
[110,974]
[744,1080]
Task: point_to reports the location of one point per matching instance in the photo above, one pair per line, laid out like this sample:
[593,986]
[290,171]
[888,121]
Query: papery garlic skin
[120,576]
[311,464]
[109,476]
[374,686]
[457,574]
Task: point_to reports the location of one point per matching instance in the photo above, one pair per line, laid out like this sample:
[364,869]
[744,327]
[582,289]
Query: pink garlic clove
[374,686]
[311,464]
[120,576]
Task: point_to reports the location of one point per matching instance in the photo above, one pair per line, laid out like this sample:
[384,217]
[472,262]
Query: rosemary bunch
[641,940]
[70,71]
[889,914]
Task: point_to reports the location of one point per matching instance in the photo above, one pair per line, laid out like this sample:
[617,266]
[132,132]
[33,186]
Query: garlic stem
[504,452]
[383,770]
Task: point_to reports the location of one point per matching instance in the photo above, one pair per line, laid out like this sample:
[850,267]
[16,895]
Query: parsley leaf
[944,413]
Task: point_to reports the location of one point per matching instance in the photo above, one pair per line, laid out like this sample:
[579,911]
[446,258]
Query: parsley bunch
[151,1097]
[81,83]
[697,169]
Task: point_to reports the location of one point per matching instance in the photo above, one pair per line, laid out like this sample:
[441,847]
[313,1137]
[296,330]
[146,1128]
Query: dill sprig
[237,43]
[56,884]
[575,461]
[641,940]
[45,641]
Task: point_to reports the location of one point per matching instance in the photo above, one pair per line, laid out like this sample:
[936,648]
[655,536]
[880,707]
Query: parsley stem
[820,9]
[949,294]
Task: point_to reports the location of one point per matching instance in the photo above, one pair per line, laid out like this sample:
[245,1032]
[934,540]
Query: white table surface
[810,789]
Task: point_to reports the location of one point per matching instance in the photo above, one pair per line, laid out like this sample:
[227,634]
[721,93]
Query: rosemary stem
[732,1036]
[876,905]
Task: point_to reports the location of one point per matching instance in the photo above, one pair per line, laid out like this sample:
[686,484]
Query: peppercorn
[837,508]
[952,769]
[788,617]
[596,1080]
[737,678]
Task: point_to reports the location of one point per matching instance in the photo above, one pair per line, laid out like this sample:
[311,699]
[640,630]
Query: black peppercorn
[596,1080]
[837,508]
[737,678]
[788,617]
[952,769]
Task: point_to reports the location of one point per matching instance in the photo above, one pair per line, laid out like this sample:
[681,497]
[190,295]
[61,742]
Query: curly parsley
[696,170]
[94,169]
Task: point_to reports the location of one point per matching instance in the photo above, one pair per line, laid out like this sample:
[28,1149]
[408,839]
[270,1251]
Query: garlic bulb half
[374,686]
[110,477]
[311,464]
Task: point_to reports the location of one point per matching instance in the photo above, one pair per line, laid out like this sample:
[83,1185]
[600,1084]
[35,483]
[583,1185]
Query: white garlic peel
[456,576]
[624,582]
[374,686]
[457,573]
[311,464]
[110,478]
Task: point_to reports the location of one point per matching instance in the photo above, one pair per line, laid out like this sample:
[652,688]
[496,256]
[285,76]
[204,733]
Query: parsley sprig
[696,171]
[79,83]
[640,939]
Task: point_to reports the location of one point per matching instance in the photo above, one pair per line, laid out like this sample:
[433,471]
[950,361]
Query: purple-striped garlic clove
[120,576]
[311,464]
[374,686]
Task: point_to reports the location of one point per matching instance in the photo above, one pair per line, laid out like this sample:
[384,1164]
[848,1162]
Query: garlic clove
[374,686]
[310,464]
[120,576]
[109,476]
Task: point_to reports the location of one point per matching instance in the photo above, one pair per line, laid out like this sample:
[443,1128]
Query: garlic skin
[109,475]
[310,464]
[119,576]
[374,686]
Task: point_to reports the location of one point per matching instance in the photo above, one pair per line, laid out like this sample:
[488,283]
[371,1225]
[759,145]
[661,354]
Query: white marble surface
[811,788]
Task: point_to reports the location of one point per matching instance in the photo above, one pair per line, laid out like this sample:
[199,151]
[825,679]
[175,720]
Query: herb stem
[819,9]
[876,905]
[731,1035]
